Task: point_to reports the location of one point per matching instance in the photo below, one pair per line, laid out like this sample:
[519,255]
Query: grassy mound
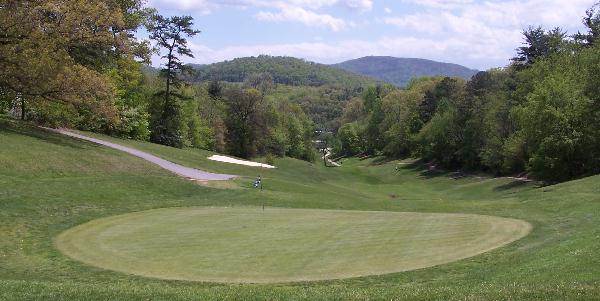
[50,183]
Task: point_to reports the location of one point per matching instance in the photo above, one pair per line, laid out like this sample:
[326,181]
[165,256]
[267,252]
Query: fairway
[252,245]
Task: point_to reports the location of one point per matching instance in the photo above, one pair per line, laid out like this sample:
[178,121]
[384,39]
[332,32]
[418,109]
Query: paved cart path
[186,172]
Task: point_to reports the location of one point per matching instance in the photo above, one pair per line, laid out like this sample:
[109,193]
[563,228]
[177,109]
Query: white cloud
[301,15]
[208,5]
[478,34]
[302,11]
[510,13]
[449,50]
[488,28]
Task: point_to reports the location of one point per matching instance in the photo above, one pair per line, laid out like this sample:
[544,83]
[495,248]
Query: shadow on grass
[26,129]
[425,170]
[512,185]
[381,161]
[518,184]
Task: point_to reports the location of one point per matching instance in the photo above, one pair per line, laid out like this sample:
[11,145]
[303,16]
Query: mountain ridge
[284,70]
[400,71]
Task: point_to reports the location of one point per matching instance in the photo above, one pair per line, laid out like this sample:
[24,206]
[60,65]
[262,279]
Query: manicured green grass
[255,245]
[50,183]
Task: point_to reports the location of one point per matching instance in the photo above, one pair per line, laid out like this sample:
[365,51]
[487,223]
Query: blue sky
[474,33]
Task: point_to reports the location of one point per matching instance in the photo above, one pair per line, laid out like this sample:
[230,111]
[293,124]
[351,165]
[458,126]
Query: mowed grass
[50,183]
[255,245]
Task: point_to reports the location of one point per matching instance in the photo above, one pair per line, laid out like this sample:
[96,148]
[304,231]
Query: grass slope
[254,245]
[50,183]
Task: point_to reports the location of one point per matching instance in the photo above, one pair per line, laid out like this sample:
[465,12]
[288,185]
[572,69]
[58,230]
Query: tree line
[78,64]
[284,70]
[540,115]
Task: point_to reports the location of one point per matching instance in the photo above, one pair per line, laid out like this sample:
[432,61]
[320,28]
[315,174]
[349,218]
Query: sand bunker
[238,161]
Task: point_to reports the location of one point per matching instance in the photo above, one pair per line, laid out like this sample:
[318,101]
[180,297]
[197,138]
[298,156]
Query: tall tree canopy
[592,22]
[170,34]
[539,43]
[55,53]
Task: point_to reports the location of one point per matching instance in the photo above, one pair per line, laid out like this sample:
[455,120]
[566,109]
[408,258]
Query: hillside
[51,183]
[285,70]
[400,71]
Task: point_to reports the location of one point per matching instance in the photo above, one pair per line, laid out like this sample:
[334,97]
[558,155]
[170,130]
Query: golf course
[275,150]
[276,245]
[83,221]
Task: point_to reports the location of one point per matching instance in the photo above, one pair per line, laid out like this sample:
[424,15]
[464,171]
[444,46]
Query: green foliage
[53,51]
[441,137]
[592,22]
[134,124]
[283,70]
[7,101]
[540,43]
[401,122]
[324,105]
[241,111]
[130,100]
[559,119]
[170,33]
[541,120]
[375,116]
[270,159]
[351,142]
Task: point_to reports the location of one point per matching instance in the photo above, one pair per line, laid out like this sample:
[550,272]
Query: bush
[270,159]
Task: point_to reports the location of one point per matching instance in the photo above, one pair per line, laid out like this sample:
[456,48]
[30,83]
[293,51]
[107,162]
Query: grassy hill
[400,71]
[50,183]
[285,70]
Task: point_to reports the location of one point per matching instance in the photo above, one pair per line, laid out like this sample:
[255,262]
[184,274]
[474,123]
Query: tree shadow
[381,161]
[425,170]
[41,134]
[513,185]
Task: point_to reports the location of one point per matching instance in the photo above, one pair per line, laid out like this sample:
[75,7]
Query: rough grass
[50,183]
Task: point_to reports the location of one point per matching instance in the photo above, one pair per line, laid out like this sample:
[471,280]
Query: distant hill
[285,70]
[400,71]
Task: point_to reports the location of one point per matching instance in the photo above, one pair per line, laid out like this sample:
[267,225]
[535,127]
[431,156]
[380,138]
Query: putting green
[249,245]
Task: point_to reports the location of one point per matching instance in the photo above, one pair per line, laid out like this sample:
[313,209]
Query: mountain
[400,71]
[285,70]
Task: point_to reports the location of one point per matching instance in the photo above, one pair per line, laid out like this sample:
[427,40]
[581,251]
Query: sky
[474,33]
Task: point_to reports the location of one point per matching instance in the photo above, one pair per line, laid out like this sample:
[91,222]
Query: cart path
[186,172]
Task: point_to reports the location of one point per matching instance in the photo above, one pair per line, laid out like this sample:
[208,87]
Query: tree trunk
[22,108]
[168,90]
[325,153]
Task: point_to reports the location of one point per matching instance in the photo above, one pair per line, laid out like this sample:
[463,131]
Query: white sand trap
[238,161]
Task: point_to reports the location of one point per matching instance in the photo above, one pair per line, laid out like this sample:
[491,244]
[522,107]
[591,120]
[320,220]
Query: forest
[79,64]
[539,116]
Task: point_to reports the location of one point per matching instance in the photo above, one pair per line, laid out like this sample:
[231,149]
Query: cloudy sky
[474,33]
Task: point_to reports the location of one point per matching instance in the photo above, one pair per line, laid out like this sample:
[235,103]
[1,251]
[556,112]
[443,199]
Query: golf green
[252,245]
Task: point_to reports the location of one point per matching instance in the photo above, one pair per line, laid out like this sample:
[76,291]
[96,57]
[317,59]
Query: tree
[539,43]
[372,104]
[442,136]
[43,46]
[262,82]
[54,56]
[350,140]
[559,122]
[401,122]
[241,107]
[170,34]
[592,22]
